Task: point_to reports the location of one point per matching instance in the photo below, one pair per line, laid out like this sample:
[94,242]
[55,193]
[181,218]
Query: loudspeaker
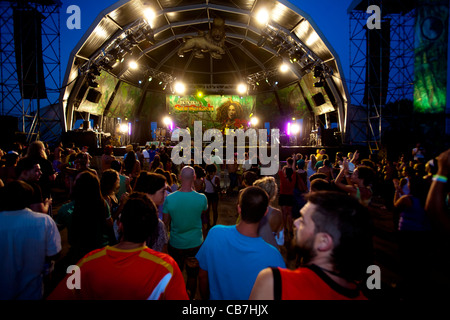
[319,99]
[28,49]
[378,46]
[93,95]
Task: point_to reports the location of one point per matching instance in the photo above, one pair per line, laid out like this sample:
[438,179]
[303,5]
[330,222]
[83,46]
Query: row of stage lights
[123,46]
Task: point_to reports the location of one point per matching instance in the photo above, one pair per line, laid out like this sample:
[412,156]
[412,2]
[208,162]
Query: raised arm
[435,204]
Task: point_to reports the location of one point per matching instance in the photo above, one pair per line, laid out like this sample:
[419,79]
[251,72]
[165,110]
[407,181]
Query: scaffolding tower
[369,98]
[38,118]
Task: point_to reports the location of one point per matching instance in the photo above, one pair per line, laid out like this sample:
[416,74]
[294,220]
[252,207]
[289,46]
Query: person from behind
[29,241]
[334,238]
[128,270]
[232,256]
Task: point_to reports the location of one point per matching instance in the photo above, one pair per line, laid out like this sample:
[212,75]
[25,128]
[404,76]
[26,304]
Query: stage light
[123,128]
[150,79]
[295,128]
[199,94]
[254,121]
[284,68]
[133,65]
[263,16]
[167,121]
[242,88]
[149,16]
[180,88]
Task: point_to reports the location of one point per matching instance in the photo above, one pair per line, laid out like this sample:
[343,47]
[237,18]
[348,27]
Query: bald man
[182,212]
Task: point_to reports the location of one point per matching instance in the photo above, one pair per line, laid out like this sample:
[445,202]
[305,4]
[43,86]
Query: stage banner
[430,65]
[215,111]
[107,83]
[125,101]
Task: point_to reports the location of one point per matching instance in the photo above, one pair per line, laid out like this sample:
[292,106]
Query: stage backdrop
[215,111]
[430,67]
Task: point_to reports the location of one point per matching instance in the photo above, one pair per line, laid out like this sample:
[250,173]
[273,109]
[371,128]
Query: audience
[334,238]
[128,270]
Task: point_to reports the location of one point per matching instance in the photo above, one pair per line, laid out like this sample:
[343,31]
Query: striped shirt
[116,274]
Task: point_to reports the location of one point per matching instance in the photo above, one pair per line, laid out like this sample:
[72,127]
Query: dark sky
[329,15]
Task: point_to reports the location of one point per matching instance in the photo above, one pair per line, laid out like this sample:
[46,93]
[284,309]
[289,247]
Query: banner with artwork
[215,111]
[430,66]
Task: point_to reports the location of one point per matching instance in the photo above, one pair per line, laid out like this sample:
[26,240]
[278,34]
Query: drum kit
[160,133]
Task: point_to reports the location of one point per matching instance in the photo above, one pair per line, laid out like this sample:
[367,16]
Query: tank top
[311,283]
[209,188]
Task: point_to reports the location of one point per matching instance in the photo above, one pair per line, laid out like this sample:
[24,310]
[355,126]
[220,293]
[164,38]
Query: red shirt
[311,283]
[286,186]
[115,274]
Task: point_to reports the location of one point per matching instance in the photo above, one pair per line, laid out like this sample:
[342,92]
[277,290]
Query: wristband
[438,178]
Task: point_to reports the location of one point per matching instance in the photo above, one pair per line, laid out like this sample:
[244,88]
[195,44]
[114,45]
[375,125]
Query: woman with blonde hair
[271,225]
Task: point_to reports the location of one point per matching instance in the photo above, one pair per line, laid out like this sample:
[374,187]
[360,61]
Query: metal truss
[367,119]
[41,119]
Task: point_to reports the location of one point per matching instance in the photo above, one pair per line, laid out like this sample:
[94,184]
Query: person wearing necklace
[334,239]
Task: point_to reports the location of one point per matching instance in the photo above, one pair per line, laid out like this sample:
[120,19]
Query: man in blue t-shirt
[182,211]
[232,256]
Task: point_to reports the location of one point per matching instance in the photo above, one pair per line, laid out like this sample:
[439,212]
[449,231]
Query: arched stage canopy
[251,53]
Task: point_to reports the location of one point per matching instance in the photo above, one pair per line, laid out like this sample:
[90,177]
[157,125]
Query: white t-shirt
[26,238]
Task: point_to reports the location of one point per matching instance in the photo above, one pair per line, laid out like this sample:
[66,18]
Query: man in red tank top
[333,235]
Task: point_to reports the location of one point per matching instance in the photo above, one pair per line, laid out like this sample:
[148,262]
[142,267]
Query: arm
[203,283]
[435,204]
[263,287]
[166,220]
[342,173]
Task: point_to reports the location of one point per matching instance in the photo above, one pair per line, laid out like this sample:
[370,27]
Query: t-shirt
[115,274]
[185,209]
[233,261]
[26,238]
[311,283]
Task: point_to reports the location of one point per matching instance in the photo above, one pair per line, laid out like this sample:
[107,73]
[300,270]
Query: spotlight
[180,88]
[242,88]
[133,65]
[263,16]
[199,94]
[254,121]
[295,128]
[150,16]
[167,121]
[123,128]
[150,79]
[284,68]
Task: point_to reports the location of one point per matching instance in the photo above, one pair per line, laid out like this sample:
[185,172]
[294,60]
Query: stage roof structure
[252,52]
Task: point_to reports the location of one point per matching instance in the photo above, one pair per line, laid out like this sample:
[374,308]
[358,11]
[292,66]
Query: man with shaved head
[182,214]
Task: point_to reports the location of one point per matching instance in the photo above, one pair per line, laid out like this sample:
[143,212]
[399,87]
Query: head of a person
[320,184]
[211,169]
[36,149]
[109,182]
[317,175]
[248,178]
[16,195]
[187,175]
[365,174]
[81,160]
[269,185]
[199,171]
[336,227]
[322,151]
[289,161]
[138,219]
[116,165]
[86,188]
[152,184]
[108,150]
[253,204]
[28,169]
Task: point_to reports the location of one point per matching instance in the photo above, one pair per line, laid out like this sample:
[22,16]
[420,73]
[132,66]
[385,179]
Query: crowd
[141,227]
